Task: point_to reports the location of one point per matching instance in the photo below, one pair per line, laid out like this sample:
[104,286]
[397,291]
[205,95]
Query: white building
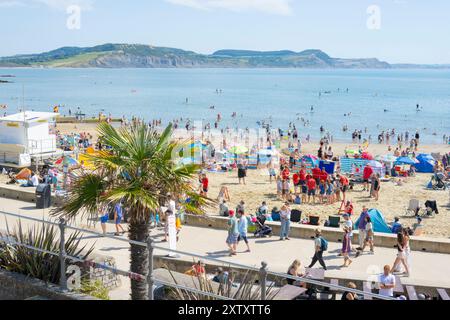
[25,135]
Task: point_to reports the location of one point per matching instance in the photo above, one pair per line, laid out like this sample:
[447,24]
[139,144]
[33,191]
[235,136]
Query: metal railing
[263,272]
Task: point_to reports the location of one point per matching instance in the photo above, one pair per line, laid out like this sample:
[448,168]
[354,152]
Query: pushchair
[262,230]
[437,182]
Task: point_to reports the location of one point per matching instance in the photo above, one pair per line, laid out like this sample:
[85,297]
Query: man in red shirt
[316,174]
[304,188]
[324,175]
[296,180]
[344,184]
[367,173]
[312,186]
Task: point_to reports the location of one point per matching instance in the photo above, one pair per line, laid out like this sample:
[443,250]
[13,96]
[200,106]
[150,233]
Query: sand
[393,199]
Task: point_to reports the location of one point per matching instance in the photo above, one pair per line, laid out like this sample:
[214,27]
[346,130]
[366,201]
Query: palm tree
[140,171]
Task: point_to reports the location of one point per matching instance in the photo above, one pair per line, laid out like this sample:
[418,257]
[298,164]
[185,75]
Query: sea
[367,100]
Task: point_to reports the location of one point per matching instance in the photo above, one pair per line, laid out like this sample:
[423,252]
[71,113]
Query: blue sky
[415,31]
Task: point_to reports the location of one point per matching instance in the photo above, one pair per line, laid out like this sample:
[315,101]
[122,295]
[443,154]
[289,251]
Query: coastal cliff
[145,56]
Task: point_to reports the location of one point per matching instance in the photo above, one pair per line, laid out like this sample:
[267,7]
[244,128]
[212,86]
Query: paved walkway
[429,269]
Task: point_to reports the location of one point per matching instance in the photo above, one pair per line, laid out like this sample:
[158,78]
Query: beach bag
[298,200]
[324,246]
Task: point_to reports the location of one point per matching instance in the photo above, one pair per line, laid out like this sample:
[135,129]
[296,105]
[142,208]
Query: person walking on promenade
[285,217]
[233,233]
[118,216]
[243,230]
[369,237]
[402,248]
[320,246]
[362,228]
[347,246]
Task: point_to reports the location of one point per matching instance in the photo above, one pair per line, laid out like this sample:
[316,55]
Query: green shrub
[94,289]
[38,265]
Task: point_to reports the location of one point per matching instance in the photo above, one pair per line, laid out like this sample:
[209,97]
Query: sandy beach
[392,203]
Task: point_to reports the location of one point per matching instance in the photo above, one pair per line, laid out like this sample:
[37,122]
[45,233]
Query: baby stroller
[262,230]
[438,182]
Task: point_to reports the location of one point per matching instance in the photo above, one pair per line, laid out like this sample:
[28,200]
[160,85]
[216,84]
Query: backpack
[324,246]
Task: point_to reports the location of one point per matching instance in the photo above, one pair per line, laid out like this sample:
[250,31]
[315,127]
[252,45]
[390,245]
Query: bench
[334,282]
[443,294]
[289,292]
[316,274]
[367,289]
[412,293]
[398,285]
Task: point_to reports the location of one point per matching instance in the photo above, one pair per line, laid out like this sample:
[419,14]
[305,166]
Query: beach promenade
[429,269]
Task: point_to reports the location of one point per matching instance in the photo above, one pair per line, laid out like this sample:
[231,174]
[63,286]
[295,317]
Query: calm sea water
[255,94]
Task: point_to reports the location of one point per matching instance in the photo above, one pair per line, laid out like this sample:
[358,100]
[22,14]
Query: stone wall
[24,194]
[14,286]
[107,278]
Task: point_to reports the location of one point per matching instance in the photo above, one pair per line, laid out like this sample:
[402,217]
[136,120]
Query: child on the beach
[322,192]
[330,192]
[287,189]
[279,187]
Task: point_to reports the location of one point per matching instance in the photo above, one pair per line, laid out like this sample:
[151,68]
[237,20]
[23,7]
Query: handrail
[232,264]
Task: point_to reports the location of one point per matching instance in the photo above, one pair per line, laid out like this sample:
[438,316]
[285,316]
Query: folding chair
[413,208]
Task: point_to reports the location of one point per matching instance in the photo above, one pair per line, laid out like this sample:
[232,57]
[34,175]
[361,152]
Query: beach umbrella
[238,150]
[71,162]
[406,160]
[351,151]
[375,164]
[310,157]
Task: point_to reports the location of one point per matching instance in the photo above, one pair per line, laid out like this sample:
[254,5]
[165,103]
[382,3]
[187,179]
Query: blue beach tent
[426,163]
[378,221]
[405,160]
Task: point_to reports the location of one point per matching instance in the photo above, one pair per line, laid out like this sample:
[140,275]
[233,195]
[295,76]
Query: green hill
[145,56]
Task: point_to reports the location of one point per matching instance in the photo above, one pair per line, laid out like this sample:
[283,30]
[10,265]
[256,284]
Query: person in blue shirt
[362,227]
[396,226]
[118,216]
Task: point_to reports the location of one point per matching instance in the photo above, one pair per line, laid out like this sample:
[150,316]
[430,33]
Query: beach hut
[426,163]
[26,135]
[378,221]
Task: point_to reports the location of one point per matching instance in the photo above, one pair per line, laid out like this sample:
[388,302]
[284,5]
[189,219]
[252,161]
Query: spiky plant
[43,266]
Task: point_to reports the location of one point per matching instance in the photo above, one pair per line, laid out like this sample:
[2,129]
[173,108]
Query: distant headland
[145,56]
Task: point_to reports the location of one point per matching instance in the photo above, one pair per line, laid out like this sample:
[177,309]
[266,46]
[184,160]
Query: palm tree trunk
[139,230]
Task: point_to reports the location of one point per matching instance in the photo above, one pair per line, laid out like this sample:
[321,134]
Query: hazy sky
[415,31]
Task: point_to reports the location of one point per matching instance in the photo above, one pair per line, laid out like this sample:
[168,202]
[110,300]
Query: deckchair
[413,208]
